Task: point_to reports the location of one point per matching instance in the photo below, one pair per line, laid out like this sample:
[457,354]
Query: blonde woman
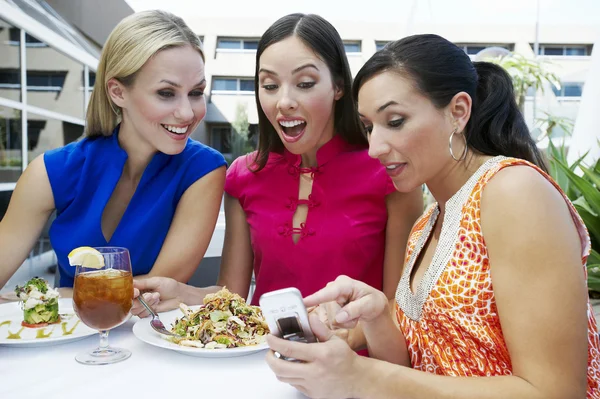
[136,179]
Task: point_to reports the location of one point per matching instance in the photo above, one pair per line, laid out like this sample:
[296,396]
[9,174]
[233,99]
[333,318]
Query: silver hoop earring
[464,153]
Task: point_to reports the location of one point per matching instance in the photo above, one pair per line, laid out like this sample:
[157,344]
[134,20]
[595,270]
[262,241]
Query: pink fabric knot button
[284,230]
[313,171]
[296,171]
[292,203]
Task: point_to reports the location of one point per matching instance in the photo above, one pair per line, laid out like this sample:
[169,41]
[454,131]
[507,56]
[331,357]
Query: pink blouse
[344,232]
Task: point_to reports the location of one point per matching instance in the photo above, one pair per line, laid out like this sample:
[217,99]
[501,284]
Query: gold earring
[464,153]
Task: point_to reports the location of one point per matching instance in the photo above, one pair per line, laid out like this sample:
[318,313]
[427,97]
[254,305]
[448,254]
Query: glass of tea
[102,300]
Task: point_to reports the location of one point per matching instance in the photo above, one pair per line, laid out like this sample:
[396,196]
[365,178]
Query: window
[11,61]
[50,71]
[10,145]
[91,78]
[352,47]
[568,89]
[220,138]
[237,44]
[475,48]
[11,140]
[46,133]
[565,50]
[245,85]
[380,45]
[30,41]
[36,80]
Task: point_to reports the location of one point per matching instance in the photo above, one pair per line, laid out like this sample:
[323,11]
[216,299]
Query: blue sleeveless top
[83,176]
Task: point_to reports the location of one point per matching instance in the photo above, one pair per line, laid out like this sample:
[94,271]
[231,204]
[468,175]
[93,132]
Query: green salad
[224,321]
[39,303]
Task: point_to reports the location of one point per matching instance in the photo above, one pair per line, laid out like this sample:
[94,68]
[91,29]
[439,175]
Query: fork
[155,323]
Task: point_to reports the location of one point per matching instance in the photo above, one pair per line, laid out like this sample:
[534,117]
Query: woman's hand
[346,301]
[165,294]
[329,369]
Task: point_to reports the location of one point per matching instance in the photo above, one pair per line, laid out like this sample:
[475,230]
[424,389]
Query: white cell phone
[286,315]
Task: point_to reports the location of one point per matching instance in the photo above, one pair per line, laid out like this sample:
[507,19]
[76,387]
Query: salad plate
[207,330]
[70,328]
[144,332]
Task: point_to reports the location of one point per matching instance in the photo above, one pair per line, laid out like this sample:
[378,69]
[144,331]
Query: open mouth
[292,130]
[176,130]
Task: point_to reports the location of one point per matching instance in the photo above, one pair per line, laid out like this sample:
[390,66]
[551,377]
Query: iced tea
[102,299]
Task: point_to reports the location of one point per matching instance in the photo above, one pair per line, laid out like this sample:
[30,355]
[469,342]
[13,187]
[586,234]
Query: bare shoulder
[35,173]
[34,187]
[521,187]
[521,210]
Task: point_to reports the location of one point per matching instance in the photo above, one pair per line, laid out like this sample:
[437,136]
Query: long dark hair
[440,70]
[325,41]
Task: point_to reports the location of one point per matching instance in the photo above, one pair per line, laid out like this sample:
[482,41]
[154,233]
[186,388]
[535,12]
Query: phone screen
[289,327]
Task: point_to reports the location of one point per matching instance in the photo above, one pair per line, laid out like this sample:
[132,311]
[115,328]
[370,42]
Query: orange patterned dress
[451,322]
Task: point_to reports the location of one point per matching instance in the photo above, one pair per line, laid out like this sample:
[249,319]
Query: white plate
[143,331]
[53,334]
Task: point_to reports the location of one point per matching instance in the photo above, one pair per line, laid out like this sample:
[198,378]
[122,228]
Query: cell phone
[286,316]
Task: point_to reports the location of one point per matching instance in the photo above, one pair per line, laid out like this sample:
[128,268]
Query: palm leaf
[594,257]
[592,222]
[591,194]
[593,281]
[593,176]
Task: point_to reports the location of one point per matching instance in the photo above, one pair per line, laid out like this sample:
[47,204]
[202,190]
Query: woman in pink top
[310,204]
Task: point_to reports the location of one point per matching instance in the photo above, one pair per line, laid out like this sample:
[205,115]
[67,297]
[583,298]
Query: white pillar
[587,125]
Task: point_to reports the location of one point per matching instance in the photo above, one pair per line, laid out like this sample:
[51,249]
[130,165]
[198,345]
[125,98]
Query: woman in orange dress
[494,279]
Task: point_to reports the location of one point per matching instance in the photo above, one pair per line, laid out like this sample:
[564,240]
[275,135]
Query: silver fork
[155,323]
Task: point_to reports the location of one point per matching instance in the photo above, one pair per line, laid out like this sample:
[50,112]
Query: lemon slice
[86,257]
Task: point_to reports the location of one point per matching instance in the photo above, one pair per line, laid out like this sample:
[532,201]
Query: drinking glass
[102,300]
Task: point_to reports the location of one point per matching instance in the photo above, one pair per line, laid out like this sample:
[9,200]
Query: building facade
[49,51]
[47,65]
[230,47]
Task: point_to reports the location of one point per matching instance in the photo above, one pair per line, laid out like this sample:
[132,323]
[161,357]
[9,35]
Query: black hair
[440,70]
[320,36]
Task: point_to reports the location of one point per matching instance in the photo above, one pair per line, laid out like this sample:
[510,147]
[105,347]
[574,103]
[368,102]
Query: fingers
[165,306]
[320,329]
[296,350]
[362,308]
[322,313]
[332,309]
[339,291]
[147,284]
[151,298]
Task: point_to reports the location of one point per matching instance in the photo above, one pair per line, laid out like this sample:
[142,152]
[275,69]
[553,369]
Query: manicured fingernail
[341,317]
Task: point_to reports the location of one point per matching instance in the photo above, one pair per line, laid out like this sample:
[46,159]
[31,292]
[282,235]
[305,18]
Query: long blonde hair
[130,45]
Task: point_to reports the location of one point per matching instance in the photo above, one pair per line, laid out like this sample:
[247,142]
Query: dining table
[51,372]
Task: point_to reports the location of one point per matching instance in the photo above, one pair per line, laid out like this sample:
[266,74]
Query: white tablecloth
[52,372]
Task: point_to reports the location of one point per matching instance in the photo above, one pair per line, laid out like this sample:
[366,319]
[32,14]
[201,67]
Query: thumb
[136,292]
[321,331]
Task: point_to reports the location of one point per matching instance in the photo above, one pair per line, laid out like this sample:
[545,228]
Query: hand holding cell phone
[286,316]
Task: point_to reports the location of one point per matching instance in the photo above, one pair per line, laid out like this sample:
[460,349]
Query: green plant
[10,162]
[239,142]
[526,73]
[584,192]
[549,122]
